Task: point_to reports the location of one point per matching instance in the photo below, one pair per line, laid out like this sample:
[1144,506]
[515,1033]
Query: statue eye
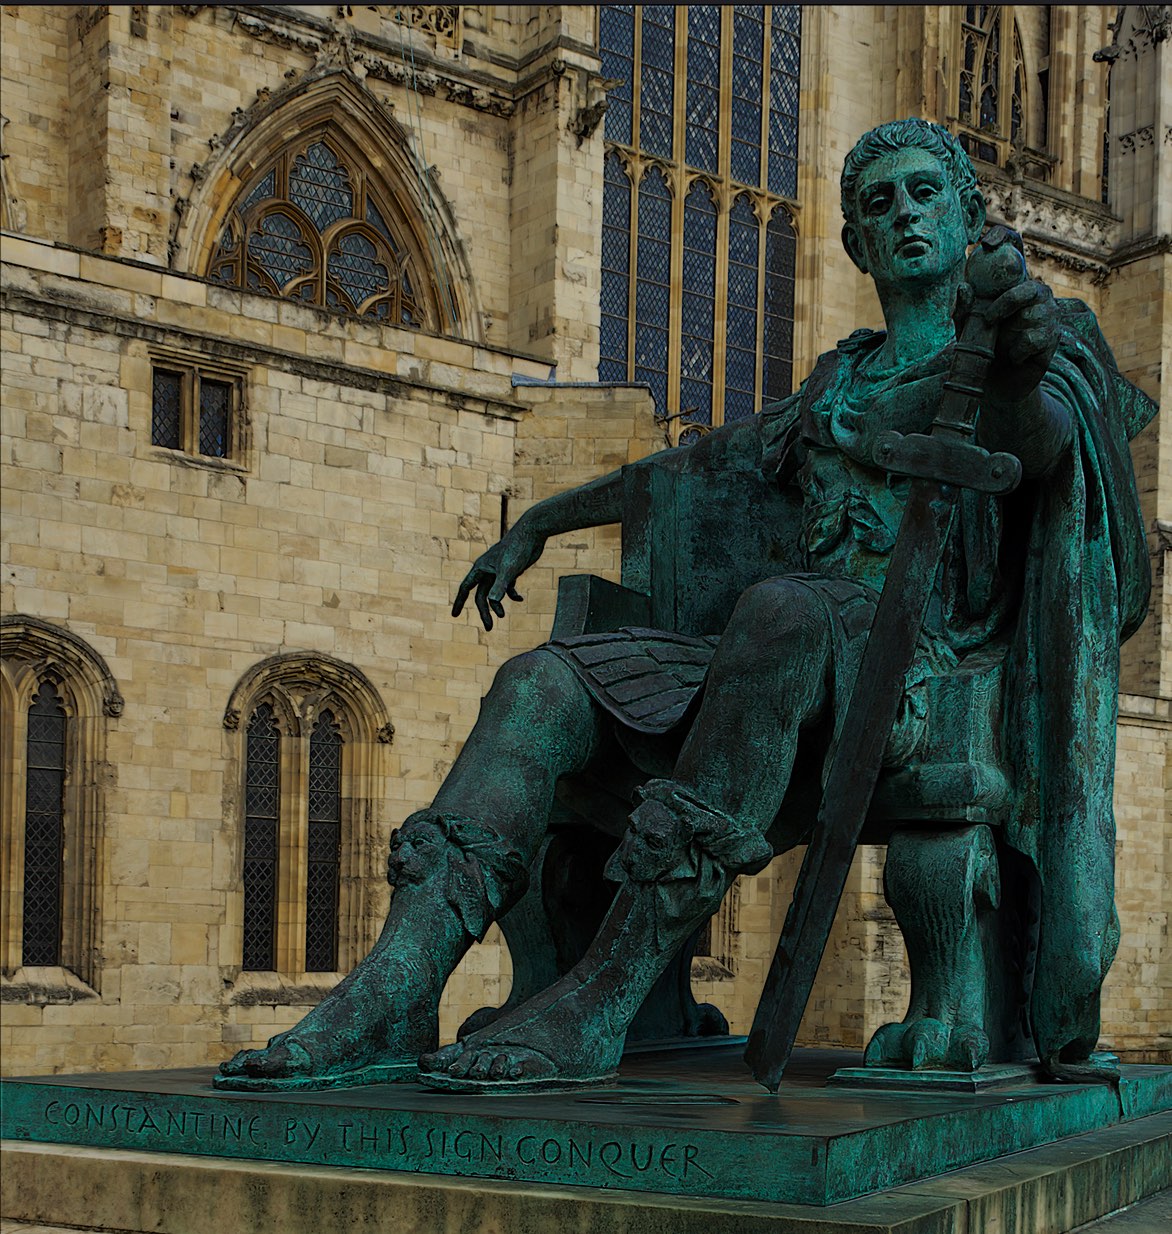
[878,203]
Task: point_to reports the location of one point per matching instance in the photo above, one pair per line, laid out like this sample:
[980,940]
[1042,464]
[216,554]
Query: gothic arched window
[311,729]
[315,224]
[698,164]
[991,92]
[57,696]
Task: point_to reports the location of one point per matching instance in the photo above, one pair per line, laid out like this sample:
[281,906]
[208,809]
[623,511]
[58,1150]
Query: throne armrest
[588,604]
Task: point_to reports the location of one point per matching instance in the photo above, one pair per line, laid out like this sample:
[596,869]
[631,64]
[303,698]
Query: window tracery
[701,136]
[57,696]
[995,109]
[315,225]
[311,730]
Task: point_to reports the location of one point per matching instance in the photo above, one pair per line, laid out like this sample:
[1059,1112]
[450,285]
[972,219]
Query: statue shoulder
[1082,335]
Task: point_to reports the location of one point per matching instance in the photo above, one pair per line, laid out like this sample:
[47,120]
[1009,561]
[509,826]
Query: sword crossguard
[947,460]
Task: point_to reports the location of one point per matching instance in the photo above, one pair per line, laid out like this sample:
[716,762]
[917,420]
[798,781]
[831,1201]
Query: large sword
[939,463]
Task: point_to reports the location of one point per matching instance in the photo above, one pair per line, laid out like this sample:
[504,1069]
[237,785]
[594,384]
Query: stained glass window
[653,284]
[166,409]
[617,23]
[656,79]
[780,257]
[699,305]
[215,406]
[991,88]
[325,846]
[747,76]
[44,828]
[682,148]
[195,411]
[616,257]
[262,811]
[740,377]
[313,226]
[702,132]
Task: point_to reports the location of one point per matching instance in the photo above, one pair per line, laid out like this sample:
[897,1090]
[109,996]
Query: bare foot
[560,1038]
[368,1020]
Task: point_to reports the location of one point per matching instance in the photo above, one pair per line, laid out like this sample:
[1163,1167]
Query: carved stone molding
[305,682]
[335,48]
[1074,232]
[63,656]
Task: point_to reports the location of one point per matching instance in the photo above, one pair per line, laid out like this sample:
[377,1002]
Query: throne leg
[943,888]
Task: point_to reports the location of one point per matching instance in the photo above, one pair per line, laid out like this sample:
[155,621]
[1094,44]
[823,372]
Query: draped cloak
[1057,574]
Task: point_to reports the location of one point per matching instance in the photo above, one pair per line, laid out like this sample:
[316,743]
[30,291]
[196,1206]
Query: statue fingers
[512,592]
[482,603]
[1017,298]
[471,579]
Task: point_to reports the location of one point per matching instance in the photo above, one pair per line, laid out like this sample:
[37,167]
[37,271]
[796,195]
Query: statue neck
[918,320]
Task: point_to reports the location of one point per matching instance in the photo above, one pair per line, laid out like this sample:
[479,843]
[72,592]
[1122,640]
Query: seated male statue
[1055,574]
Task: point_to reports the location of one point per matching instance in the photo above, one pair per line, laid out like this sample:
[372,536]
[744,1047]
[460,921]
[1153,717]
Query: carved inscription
[568,1154]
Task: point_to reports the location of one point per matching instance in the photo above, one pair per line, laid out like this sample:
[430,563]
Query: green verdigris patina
[714,693]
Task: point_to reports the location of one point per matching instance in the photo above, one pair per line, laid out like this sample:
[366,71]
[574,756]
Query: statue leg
[455,867]
[687,840]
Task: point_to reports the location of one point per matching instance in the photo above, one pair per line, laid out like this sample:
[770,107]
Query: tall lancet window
[702,144]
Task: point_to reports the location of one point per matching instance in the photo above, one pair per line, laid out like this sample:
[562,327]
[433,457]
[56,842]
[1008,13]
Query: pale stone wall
[378,459]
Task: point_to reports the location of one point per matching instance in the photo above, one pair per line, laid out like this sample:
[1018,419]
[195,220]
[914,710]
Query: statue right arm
[494,573]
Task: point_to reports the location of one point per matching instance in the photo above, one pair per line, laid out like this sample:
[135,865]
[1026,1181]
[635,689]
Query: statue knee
[539,676]
[777,623]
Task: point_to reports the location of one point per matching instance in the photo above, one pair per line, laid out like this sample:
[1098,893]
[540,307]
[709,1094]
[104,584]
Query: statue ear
[854,247]
[974,216]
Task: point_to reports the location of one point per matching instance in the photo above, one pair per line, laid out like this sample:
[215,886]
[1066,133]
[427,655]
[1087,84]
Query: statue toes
[926,1043]
[480,1066]
[885,1048]
[968,1049]
[500,1068]
[441,1060]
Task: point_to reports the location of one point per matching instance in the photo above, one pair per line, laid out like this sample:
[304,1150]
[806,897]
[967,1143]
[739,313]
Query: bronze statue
[720,720]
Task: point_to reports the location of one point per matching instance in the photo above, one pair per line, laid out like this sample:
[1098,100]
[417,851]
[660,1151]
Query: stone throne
[694,538]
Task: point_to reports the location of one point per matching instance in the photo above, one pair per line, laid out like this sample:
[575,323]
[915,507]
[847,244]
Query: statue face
[910,226]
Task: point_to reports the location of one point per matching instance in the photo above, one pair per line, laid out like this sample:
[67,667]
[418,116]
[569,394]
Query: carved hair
[903,135]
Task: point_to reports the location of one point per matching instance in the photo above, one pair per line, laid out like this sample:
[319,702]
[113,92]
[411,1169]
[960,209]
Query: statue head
[911,202]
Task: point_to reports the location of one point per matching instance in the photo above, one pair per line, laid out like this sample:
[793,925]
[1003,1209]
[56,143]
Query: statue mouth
[913,246]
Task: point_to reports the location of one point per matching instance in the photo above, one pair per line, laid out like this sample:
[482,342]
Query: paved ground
[1150,1216]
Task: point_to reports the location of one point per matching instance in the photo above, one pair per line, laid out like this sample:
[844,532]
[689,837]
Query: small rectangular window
[197,411]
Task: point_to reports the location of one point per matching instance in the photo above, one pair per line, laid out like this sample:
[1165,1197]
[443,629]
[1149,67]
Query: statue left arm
[1017,415]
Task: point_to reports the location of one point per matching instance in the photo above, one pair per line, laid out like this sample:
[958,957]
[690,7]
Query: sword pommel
[996,264]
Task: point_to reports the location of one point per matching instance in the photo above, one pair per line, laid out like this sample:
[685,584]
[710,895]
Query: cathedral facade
[302,305]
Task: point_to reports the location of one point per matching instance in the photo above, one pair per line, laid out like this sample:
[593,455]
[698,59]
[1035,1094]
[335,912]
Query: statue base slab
[710,1133]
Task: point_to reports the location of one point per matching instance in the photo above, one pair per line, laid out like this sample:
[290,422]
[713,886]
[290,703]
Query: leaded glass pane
[701,134]
[167,409]
[215,411]
[780,250]
[699,305]
[354,265]
[784,96]
[266,188]
[617,44]
[44,828]
[616,265]
[262,795]
[278,247]
[324,856]
[652,287]
[320,186]
[376,220]
[741,357]
[748,47]
[657,79]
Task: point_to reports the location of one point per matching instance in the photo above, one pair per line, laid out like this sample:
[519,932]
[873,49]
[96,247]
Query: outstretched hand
[495,572]
[1027,338]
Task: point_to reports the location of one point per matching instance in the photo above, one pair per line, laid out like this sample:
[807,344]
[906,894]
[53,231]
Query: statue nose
[907,209]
